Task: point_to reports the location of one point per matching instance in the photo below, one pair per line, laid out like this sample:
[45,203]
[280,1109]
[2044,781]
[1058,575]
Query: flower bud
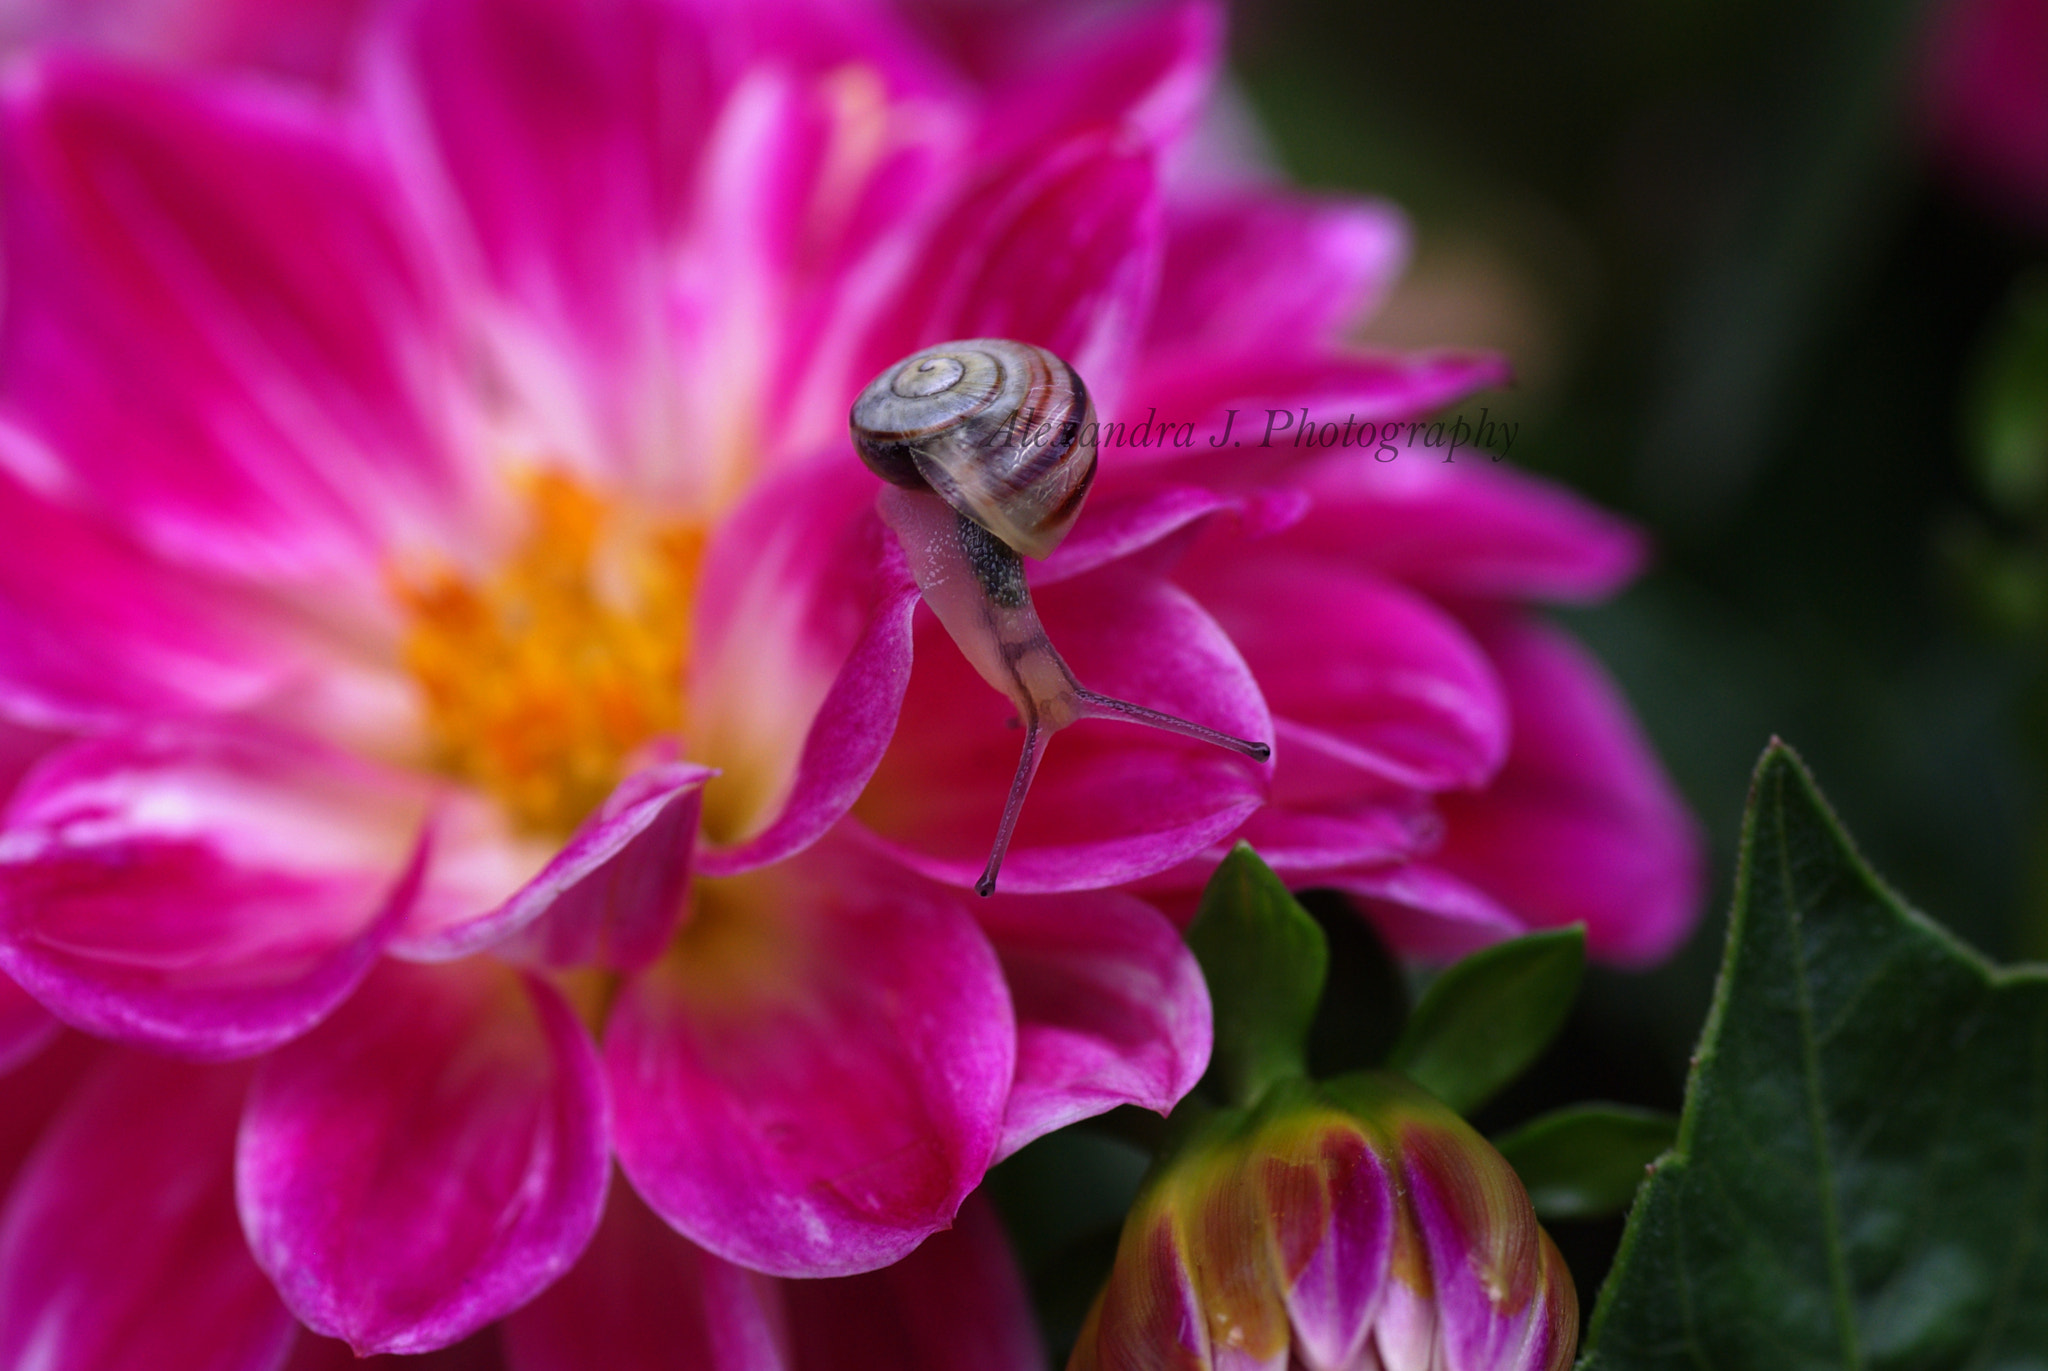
[1352,1225]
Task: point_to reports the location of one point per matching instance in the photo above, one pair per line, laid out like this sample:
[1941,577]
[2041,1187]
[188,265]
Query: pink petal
[862,175]
[554,147]
[94,630]
[34,1091]
[1255,272]
[307,39]
[801,660]
[1426,912]
[1467,528]
[1297,838]
[25,1026]
[1582,825]
[1061,250]
[1113,802]
[1356,669]
[116,1255]
[213,321]
[1124,522]
[815,1078]
[955,1304]
[1111,1008]
[813,36]
[611,897]
[20,748]
[1142,79]
[645,1298]
[480,1353]
[428,1159]
[209,891]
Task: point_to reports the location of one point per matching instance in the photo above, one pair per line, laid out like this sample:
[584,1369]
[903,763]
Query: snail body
[988,448]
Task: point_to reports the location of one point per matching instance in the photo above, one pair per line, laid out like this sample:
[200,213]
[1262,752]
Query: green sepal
[1586,1161]
[1485,1019]
[1264,959]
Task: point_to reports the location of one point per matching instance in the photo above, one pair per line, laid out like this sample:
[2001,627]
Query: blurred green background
[1746,310]
[1747,314]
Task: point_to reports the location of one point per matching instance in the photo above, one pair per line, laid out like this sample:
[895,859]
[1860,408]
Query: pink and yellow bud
[1356,1225]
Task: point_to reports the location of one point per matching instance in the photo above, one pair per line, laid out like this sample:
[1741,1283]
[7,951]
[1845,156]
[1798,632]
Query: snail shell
[1002,431]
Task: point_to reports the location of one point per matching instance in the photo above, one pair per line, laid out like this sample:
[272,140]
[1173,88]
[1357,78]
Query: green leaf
[1587,1160]
[1485,1019]
[1265,960]
[1861,1173]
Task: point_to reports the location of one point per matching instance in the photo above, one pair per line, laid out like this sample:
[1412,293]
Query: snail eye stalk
[988,448]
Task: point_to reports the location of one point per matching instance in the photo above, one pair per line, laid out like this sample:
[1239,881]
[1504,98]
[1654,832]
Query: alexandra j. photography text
[1444,438]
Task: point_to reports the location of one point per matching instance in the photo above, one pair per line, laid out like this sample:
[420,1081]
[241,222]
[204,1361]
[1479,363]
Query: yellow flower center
[541,678]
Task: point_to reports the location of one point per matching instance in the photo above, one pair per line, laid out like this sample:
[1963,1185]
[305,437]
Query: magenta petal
[480,1353]
[1111,1008]
[815,1078]
[94,630]
[308,40]
[428,1159]
[844,744]
[214,323]
[611,897]
[1061,251]
[1467,529]
[1258,272]
[20,748]
[119,1246]
[211,892]
[1582,825]
[1143,79]
[955,1304]
[1113,801]
[558,146]
[645,1298]
[1122,522]
[1360,830]
[34,1091]
[25,1026]
[802,657]
[1426,912]
[1358,669]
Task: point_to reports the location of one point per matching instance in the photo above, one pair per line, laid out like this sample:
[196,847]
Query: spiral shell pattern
[1002,431]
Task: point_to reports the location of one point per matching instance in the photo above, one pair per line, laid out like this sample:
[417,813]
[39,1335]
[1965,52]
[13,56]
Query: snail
[988,448]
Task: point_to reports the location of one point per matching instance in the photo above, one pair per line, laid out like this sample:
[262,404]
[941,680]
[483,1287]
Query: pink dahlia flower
[432,523]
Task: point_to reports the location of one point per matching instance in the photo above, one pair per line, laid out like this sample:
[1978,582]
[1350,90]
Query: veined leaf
[1861,1173]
